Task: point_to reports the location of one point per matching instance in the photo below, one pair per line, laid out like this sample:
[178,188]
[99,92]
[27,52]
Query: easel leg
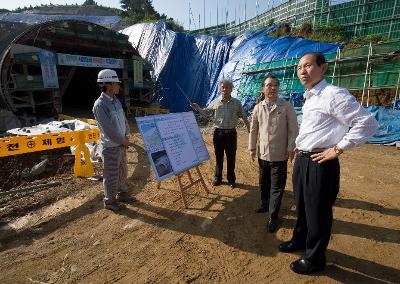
[182,192]
[202,180]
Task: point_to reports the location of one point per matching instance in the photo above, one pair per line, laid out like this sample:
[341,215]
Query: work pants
[114,173]
[315,189]
[225,142]
[272,182]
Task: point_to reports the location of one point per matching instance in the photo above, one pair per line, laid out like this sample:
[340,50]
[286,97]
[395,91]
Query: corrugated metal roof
[31,19]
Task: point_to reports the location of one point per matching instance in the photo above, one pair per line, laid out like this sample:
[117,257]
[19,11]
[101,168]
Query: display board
[48,63]
[173,143]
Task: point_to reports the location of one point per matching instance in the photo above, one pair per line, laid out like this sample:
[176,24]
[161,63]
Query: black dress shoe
[272,225]
[290,246]
[217,182]
[262,209]
[303,266]
[232,185]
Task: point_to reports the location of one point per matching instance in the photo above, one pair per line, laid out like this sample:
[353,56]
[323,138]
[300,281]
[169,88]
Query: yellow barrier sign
[16,145]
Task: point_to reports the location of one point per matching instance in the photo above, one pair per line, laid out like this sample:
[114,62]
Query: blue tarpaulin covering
[389,125]
[197,63]
[188,67]
[181,62]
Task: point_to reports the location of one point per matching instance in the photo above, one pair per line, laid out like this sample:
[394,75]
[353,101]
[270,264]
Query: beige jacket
[276,131]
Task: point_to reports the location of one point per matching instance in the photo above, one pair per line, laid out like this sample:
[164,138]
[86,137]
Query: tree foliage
[329,33]
[137,11]
[89,3]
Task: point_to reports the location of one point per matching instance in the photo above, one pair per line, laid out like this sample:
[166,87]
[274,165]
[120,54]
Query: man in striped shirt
[226,112]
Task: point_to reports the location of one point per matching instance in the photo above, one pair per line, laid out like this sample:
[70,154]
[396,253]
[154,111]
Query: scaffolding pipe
[292,81]
[397,91]
[369,84]
[334,66]
[391,20]
[366,72]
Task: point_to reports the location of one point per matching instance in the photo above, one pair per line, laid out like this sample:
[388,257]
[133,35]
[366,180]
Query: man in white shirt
[333,122]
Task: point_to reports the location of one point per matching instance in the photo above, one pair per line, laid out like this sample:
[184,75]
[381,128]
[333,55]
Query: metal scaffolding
[361,70]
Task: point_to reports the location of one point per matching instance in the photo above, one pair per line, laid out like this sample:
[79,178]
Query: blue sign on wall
[49,70]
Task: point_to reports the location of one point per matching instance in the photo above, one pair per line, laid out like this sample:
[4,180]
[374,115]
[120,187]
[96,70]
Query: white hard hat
[107,76]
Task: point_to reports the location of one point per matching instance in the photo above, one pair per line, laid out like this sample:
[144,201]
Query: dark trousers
[315,188]
[225,142]
[272,182]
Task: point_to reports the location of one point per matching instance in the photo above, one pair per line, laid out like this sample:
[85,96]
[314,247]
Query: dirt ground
[63,235]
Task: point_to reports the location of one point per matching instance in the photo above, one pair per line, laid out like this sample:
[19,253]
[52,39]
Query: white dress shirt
[332,116]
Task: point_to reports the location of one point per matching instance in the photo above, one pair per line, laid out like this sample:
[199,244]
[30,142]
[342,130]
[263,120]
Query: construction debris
[36,187]
[36,170]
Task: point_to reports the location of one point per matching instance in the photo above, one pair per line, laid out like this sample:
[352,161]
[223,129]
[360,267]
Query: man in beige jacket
[274,126]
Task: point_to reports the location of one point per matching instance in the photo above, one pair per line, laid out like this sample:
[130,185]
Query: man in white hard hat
[114,129]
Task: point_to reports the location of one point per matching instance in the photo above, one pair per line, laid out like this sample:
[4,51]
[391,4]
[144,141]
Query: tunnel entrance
[51,68]
[81,92]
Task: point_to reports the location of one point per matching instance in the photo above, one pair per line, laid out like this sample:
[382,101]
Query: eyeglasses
[271,86]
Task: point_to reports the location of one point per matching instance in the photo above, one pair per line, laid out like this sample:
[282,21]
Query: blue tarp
[389,124]
[181,62]
[196,64]
[31,19]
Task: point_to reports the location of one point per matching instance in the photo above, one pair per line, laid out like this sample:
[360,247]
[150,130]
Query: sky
[228,10]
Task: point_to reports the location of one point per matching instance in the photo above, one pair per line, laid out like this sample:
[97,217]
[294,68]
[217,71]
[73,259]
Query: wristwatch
[337,150]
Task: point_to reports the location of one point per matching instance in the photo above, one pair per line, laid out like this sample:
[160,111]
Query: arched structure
[51,67]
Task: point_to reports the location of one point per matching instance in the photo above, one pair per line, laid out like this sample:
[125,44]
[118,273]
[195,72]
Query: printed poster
[173,143]
[49,69]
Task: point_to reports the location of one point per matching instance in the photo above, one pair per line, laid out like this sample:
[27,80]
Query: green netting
[349,72]
[386,48]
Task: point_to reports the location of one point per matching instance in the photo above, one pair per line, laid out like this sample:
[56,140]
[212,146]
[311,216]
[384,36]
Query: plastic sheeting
[52,127]
[198,63]
[95,148]
[31,19]
[389,125]
[388,120]
[181,62]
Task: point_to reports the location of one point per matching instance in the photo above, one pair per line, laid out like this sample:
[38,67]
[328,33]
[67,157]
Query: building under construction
[371,73]
[51,68]
[358,17]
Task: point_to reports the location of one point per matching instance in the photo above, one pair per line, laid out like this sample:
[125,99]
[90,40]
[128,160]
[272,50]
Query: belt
[309,153]
[225,131]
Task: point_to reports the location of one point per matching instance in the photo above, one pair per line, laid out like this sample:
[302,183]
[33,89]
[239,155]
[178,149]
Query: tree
[136,11]
[89,3]
[140,10]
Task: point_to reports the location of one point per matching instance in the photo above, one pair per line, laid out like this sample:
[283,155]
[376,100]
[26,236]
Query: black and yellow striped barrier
[16,145]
